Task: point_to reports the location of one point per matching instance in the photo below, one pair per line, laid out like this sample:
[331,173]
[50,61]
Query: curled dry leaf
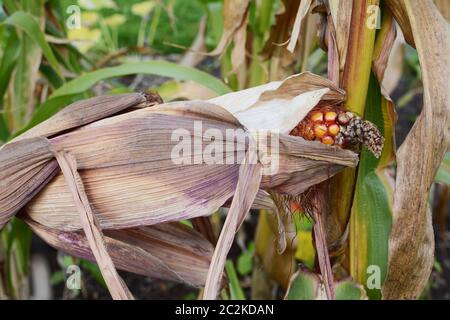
[411,243]
[301,13]
[341,12]
[398,9]
[169,251]
[234,12]
[383,45]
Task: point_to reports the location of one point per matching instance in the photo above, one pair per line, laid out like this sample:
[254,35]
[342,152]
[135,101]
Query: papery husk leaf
[306,285]
[294,176]
[26,167]
[280,105]
[250,173]
[27,161]
[411,243]
[169,251]
[91,227]
[131,180]
[84,112]
[234,12]
[129,174]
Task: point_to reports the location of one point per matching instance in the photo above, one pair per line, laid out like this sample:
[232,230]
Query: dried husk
[167,251]
[123,165]
[126,185]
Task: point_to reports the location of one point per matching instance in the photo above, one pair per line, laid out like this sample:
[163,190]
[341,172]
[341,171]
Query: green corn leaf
[245,260]
[371,215]
[4,130]
[235,287]
[94,271]
[304,285]
[8,63]
[349,290]
[160,68]
[26,22]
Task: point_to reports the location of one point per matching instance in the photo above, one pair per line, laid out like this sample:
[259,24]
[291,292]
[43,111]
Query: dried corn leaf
[398,9]
[383,45]
[234,12]
[279,32]
[167,251]
[301,13]
[341,12]
[411,243]
[247,187]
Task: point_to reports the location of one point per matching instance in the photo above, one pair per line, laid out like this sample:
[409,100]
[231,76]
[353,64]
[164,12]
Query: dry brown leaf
[169,251]
[301,13]
[86,111]
[234,12]
[246,190]
[394,68]
[91,227]
[194,55]
[341,12]
[238,53]
[411,243]
[333,54]
[444,8]
[279,32]
[398,9]
[383,45]
[282,60]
